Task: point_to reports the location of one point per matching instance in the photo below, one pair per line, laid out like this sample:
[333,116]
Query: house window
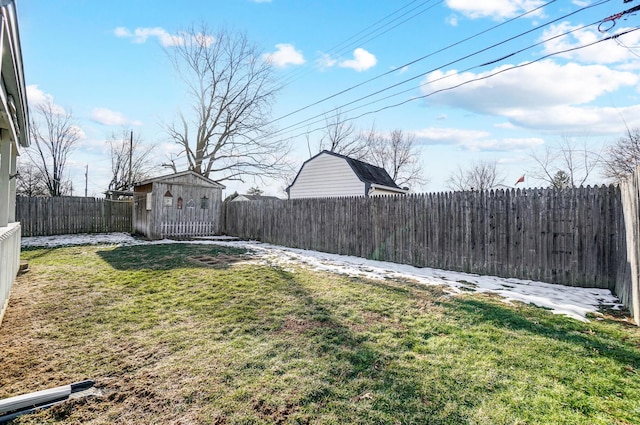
[179,203]
[204,203]
[168,199]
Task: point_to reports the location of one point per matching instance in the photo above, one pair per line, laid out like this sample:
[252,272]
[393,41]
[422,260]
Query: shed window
[179,205]
[168,199]
[204,203]
[191,203]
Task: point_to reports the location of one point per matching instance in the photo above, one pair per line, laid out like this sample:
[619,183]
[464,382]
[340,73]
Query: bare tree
[130,160]
[54,136]
[569,156]
[398,154]
[255,190]
[480,176]
[342,137]
[561,180]
[29,180]
[621,159]
[232,89]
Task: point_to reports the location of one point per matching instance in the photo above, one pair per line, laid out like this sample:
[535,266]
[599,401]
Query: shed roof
[205,181]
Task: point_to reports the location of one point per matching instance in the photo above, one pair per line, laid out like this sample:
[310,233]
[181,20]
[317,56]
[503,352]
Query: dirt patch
[299,326]
[218,261]
[274,414]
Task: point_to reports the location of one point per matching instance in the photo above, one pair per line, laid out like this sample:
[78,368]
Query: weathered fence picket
[45,216]
[588,236]
[560,236]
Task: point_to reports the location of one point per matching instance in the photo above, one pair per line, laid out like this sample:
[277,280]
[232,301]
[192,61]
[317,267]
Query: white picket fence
[187,229]
[9,261]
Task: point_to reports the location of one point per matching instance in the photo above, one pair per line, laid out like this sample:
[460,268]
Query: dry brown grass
[187,335]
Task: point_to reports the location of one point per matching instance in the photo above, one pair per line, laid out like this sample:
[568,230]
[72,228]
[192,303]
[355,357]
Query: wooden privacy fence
[627,286]
[570,237]
[40,216]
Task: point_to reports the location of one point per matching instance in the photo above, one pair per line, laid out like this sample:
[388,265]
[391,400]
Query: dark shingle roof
[368,173]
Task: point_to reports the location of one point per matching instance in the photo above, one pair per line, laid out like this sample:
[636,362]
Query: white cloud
[496,9]
[607,52]
[141,35]
[568,119]
[122,32]
[325,61]
[286,54]
[452,20]
[108,117]
[401,70]
[473,140]
[362,60]
[532,89]
[78,132]
[507,144]
[35,96]
[447,136]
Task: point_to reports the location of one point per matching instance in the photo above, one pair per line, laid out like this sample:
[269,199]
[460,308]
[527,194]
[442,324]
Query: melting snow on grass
[560,299]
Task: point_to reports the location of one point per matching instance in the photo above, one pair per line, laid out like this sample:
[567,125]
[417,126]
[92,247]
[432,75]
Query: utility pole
[130,180]
[86,179]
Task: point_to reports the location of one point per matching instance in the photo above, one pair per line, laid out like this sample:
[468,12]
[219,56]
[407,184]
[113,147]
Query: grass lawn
[198,334]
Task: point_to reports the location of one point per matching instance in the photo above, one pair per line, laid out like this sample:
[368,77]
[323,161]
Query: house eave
[375,186]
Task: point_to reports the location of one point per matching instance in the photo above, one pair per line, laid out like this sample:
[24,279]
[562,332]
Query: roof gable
[204,181]
[366,173]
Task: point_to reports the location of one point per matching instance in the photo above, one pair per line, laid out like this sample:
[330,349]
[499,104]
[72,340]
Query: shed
[179,205]
[329,174]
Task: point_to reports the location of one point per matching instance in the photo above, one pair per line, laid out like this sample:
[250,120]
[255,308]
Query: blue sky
[104,61]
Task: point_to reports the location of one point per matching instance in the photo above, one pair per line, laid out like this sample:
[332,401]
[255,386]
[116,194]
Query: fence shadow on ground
[400,392]
[554,327]
[171,256]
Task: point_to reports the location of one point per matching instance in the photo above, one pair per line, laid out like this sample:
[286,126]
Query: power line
[339,45]
[302,122]
[612,37]
[294,75]
[359,41]
[421,59]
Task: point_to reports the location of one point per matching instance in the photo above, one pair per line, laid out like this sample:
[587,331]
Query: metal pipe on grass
[12,407]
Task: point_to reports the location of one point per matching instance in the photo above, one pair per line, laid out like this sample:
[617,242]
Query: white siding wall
[326,176]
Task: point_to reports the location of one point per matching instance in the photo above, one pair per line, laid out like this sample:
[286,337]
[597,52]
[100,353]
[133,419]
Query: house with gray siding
[330,175]
[14,135]
[180,205]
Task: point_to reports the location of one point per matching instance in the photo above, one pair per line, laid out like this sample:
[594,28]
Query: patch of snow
[79,239]
[570,301]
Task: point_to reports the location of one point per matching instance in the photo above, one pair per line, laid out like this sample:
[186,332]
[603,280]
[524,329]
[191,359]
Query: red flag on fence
[520,180]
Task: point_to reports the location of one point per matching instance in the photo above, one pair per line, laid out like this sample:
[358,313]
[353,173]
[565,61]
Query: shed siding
[191,212]
[326,176]
[172,206]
